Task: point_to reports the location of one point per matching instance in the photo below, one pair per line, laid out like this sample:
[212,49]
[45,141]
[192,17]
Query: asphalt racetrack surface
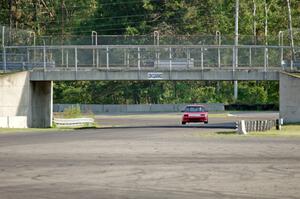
[149,157]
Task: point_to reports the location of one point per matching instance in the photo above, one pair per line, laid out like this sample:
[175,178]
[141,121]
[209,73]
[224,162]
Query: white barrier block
[3,122]
[242,127]
[17,122]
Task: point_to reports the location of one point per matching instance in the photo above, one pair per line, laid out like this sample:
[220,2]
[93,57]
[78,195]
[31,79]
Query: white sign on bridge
[155,76]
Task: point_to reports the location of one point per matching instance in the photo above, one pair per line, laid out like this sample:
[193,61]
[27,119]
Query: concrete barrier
[163,108]
[114,108]
[133,108]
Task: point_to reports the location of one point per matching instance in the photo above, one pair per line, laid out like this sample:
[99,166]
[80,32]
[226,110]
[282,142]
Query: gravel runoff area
[159,161]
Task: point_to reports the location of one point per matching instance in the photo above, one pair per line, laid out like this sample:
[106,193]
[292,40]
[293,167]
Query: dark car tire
[183,123]
[206,122]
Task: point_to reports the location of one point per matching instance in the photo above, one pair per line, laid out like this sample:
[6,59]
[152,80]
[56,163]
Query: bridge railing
[139,57]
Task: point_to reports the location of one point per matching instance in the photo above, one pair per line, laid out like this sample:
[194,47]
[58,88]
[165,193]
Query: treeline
[135,17]
[164,92]
[60,20]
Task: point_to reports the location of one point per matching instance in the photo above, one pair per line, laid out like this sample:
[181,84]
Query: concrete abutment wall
[24,103]
[289,98]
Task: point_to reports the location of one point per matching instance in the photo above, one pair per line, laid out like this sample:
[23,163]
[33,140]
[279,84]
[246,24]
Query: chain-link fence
[16,37]
[24,50]
[168,57]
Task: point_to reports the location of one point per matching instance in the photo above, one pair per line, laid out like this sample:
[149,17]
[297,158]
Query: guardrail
[62,122]
[107,57]
[244,127]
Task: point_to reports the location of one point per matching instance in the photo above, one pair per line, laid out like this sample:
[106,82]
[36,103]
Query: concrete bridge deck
[155,74]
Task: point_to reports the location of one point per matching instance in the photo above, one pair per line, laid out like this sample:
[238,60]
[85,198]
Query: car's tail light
[185,115]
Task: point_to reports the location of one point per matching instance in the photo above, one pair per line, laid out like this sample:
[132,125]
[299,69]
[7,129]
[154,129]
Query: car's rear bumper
[194,119]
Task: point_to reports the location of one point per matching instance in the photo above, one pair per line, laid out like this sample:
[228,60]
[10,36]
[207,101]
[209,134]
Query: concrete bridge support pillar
[289,98]
[25,103]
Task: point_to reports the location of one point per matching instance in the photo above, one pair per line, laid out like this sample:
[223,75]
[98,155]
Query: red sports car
[195,113]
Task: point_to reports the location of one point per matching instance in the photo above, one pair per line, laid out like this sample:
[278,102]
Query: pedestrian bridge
[149,62]
[29,94]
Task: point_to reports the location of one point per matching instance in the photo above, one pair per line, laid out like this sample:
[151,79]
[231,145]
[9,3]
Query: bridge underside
[133,74]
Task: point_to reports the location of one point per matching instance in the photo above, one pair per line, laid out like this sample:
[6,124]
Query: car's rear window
[195,109]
